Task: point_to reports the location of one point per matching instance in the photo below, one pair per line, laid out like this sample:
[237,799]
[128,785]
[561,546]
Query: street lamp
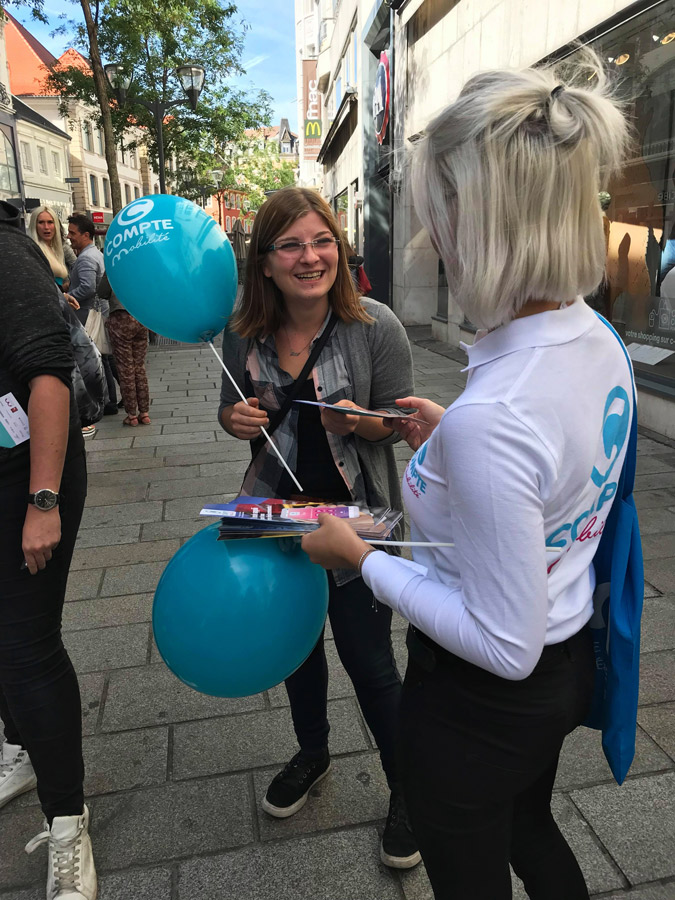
[191,77]
[218,175]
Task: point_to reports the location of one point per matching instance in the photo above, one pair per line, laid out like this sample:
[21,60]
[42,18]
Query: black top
[34,339]
[315,469]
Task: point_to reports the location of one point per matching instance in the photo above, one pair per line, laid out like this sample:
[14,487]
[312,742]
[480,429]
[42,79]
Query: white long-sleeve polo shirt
[520,474]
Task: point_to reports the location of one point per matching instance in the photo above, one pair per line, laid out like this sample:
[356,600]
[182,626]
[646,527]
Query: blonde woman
[511,485]
[45,229]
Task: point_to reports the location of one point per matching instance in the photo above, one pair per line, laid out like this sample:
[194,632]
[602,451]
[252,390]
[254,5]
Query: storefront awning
[350,97]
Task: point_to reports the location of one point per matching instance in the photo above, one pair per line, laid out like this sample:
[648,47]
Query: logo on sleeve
[588,524]
[615,424]
[414,480]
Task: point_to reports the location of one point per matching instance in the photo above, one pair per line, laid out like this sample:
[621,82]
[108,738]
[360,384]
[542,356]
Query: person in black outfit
[43,482]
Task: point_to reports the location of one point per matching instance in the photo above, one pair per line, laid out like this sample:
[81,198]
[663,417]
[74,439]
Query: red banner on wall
[311,99]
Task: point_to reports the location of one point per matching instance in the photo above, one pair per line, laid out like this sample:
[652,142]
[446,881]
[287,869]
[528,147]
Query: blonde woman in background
[46,230]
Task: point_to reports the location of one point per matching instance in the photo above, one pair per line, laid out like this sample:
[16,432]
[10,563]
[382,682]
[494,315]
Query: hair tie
[558,89]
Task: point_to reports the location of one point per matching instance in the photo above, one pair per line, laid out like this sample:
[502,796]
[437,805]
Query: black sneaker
[289,789]
[110,409]
[399,847]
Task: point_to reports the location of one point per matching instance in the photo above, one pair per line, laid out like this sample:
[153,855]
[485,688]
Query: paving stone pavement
[174,778]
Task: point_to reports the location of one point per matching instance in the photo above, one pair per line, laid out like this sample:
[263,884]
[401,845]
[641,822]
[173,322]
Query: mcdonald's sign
[311,99]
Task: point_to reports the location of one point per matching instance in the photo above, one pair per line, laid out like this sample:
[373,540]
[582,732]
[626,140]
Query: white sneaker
[16,772]
[71,875]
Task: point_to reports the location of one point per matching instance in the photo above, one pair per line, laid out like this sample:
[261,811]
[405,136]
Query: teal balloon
[172,267]
[233,618]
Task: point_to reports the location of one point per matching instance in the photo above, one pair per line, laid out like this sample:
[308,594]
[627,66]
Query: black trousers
[362,632]
[39,693]
[479,757]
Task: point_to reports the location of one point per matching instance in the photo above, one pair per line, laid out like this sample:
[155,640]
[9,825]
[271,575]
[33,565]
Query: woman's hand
[71,301]
[340,423]
[335,544]
[41,534]
[413,431]
[246,419]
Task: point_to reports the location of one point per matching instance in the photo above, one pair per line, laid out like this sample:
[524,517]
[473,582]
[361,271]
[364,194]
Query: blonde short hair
[506,181]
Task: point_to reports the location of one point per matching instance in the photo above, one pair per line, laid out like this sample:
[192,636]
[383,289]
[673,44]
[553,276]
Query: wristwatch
[44,499]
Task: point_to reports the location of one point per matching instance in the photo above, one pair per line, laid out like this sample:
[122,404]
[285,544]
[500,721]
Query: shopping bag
[617,611]
[95,328]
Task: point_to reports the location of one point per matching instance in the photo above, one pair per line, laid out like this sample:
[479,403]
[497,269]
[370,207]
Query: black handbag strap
[297,386]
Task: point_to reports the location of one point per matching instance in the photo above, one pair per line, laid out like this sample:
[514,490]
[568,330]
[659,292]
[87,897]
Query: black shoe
[110,410]
[289,789]
[399,847]
[120,405]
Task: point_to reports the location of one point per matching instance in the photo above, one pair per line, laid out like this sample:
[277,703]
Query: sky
[269,48]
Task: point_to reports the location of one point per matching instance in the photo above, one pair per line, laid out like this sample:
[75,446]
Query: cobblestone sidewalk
[174,778]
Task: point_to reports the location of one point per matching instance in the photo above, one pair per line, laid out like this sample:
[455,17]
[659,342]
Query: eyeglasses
[296,248]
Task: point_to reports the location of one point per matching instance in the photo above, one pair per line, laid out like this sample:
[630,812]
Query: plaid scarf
[271,384]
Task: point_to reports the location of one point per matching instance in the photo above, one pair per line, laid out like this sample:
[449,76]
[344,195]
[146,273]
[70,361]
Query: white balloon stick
[267,437]
[426,544]
[407,543]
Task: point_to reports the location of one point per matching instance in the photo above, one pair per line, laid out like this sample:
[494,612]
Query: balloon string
[267,437]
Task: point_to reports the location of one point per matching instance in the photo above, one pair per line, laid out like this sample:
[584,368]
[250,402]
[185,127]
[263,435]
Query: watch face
[45,499]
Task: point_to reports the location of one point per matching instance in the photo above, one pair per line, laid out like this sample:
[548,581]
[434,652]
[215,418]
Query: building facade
[409,59]
[44,168]
[10,177]
[344,53]
[45,161]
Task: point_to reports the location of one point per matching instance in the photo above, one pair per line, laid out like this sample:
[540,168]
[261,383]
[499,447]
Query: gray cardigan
[378,359]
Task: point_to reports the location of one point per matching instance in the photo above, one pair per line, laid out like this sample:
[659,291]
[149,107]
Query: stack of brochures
[259,517]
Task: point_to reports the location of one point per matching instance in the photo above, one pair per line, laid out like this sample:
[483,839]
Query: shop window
[638,292]
[341,205]
[93,190]
[42,161]
[356,70]
[26,156]
[87,136]
[8,177]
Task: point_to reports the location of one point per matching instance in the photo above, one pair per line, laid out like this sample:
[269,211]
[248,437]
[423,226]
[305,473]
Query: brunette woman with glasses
[299,290]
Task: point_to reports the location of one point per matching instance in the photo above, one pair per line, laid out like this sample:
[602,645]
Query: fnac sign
[312,103]
[381,98]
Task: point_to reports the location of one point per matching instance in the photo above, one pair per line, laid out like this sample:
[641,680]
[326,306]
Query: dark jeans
[479,757]
[39,693]
[362,635]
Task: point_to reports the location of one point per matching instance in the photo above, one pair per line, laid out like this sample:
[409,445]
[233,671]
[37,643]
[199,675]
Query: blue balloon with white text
[234,618]
[172,267]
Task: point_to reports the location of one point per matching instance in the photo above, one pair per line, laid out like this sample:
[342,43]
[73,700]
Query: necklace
[302,349]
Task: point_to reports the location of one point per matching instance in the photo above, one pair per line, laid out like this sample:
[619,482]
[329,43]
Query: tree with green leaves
[150,38]
[257,168]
